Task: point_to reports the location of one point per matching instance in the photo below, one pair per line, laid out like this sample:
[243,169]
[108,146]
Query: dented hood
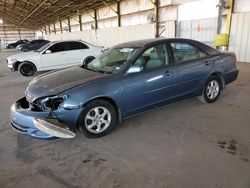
[56,82]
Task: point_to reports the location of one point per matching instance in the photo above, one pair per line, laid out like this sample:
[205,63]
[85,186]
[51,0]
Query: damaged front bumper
[53,127]
[40,124]
[11,65]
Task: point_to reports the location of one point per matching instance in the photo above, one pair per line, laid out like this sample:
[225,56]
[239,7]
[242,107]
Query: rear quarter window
[183,51]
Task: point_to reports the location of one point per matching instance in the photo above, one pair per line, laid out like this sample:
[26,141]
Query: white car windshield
[112,60]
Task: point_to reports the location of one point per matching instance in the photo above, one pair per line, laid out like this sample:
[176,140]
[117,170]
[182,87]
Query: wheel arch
[220,76]
[217,74]
[111,101]
[88,57]
[20,62]
[108,99]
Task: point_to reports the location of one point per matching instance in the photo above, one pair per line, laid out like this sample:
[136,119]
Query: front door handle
[208,62]
[168,73]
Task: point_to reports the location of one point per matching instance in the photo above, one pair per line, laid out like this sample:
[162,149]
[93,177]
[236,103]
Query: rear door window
[76,46]
[184,52]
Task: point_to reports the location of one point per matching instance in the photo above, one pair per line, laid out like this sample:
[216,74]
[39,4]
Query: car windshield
[112,60]
[43,48]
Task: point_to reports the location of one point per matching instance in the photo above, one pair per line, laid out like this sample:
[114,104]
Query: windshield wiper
[95,70]
[101,71]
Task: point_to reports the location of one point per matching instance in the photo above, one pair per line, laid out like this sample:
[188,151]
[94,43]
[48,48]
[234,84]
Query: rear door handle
[168,73]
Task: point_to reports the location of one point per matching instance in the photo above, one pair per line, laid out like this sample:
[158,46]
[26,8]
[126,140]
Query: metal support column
[156,12]
[220,9]
[95,16]
[19,33]
[54,25]
[80,22]
[61,26]
[69,25]
[49,29]
[118,13]
[229,15]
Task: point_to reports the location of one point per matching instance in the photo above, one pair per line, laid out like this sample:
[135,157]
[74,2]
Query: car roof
[38,40]
[154,40]
[57,41]
[149,42]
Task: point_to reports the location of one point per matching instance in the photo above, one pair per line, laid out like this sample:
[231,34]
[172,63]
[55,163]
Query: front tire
[98,119]
[211,90]
[27,69]
[25,49]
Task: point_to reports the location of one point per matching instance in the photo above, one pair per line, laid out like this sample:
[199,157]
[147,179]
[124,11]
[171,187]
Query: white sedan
[54,55]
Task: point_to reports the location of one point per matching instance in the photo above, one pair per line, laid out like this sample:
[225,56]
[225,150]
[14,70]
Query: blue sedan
[127,79]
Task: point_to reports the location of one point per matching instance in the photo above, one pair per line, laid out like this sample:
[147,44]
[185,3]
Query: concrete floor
[186,144]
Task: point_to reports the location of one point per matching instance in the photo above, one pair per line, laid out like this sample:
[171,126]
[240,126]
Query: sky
[198,10]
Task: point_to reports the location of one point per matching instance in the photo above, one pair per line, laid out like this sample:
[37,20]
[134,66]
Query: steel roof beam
[32,12]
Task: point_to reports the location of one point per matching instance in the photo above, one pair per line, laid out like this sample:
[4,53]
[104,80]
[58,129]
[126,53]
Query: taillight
[234,57]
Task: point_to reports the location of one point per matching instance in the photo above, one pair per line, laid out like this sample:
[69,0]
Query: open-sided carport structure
[54,16]
[186,144]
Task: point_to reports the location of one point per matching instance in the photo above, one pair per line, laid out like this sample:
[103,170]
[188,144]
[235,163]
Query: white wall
[198,10]
[109,36]
[134,23]
[203,30]
[240,36]
[242,6]
[9,34]
[240,30]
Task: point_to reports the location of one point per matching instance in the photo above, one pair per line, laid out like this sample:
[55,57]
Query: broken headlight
[51,103]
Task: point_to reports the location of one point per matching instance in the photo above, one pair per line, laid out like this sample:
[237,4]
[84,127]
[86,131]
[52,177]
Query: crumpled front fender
[22,119]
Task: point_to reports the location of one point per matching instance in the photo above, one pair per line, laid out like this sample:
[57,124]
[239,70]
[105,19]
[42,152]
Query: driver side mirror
[48,51]
[135,69]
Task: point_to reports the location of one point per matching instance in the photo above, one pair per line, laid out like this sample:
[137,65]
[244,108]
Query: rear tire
[88,60]
[211,90]
[27,69]
[98,119]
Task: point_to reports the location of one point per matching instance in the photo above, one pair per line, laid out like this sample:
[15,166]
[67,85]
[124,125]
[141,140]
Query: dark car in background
[34,45]
[19,47]
[15,44]
[125,80]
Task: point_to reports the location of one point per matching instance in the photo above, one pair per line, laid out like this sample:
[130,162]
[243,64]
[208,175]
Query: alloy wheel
[98,119]
[27,69]
[213,89]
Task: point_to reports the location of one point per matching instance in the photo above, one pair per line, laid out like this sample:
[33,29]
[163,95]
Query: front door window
[153,58]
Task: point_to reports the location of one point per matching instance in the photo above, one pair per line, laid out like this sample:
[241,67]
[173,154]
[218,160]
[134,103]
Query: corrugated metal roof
[36,13]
